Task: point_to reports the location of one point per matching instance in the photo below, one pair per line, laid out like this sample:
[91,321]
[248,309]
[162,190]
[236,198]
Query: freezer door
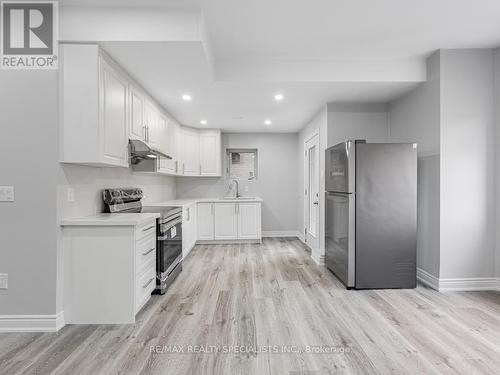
[386,215]
[340,165]
[339,236]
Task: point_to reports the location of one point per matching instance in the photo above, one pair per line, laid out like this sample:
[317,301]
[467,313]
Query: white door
[191,153]
[205,221]
[210,153]
[248,220]
[137,123]
[226,221]
[114,116]
[311,191]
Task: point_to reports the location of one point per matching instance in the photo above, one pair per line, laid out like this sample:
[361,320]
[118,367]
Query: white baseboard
[426,278]
[32,323]
[458,284]
[469,284]
[280,233]
[318,258]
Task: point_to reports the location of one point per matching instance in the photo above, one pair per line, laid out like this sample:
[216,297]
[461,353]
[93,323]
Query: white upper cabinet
[190,152]
[94,105]
[103,107]
[113,106]
[137,123]
[210,153]
[226,221]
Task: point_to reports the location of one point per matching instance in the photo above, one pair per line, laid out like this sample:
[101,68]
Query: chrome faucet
[237,188]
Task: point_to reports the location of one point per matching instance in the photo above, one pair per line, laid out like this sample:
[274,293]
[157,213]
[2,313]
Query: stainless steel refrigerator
[371,214]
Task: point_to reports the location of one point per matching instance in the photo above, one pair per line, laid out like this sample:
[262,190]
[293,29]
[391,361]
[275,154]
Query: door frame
[316,242]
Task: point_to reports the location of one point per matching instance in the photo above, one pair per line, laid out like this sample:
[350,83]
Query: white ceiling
[236,35]
[348,29]
[169,70]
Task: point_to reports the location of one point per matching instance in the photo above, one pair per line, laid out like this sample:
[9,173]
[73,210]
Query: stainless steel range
[168,231]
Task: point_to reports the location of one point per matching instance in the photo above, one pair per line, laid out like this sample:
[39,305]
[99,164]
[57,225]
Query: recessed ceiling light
[267,122]
[278,97]
[203,122]
[186,97]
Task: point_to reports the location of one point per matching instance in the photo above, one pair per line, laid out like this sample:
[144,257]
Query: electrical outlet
[71,195]
[4,280]
[6,193]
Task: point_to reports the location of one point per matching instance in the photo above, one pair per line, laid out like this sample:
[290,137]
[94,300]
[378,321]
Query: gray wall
[369,121]
[416,118]
[467,164]
[497,144]
[30,246]
[276,182]
[28,150]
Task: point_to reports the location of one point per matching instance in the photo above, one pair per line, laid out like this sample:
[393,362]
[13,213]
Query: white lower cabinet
[225,221]
[205,221]
[189,228]
[249,220]
[109,272]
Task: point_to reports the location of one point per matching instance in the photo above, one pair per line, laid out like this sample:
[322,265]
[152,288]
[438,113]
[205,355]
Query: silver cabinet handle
[149,282]
[149,251]
[148,228]
[144,133]
[176,166]
[316,202]
[182,168]
[188,210]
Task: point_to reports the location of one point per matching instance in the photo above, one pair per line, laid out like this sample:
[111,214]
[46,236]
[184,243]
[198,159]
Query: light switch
[6,193]
[71,195]
[4,280]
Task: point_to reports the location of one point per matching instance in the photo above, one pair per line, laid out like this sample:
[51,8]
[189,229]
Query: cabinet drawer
[145,229]
[145,252]
[145,284]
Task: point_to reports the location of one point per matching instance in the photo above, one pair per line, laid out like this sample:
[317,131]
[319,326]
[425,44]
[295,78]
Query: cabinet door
[114,140]
[226,221]
[191,153]
[162,134]
[205,221]
[210,153]
[151,117]
[137,123]
[189,229]
[249,218]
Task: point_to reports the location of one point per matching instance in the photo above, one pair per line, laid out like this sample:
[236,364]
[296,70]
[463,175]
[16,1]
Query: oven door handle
[170,224]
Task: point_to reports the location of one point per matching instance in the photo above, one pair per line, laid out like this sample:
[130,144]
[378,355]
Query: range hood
[143,157]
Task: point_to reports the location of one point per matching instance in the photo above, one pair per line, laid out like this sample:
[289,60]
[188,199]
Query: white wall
[367,121]
[28,150]
[276,182]
[416,118]
[467,164]
[317,124]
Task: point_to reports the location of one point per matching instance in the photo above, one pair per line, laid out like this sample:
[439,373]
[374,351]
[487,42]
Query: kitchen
[171,111]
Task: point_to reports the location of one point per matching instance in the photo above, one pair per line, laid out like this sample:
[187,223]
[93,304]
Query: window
[241,164]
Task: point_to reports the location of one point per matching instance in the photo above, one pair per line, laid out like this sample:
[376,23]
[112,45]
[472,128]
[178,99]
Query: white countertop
[110,220]
[188,201]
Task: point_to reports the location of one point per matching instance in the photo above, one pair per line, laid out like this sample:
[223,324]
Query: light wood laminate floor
[261,309]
